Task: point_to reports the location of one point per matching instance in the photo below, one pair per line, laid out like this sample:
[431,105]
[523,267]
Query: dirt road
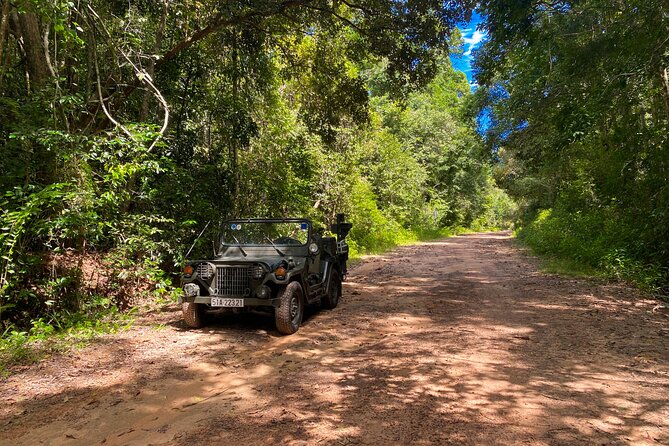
[460,341]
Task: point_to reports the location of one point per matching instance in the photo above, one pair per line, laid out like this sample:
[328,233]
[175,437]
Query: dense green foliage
[578,93]
[127,127]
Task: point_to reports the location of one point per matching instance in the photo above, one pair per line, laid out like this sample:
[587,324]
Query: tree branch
[343,19]
[102,100]
[358,7]
[220,22]
[143,76]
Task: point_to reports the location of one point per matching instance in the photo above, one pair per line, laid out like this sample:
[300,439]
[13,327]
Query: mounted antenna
[198,238]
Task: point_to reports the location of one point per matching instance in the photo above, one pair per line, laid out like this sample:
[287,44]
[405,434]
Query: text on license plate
[223,302]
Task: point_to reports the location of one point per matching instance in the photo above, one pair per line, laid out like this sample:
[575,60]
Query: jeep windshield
[261,233]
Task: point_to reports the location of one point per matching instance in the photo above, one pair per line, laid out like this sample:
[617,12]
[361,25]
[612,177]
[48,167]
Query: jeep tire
[331,298]
[193,314]
[288,315]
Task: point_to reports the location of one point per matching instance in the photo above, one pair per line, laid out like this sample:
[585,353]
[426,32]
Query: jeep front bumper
[230,301]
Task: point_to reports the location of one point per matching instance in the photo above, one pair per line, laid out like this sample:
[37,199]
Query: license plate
[222,302]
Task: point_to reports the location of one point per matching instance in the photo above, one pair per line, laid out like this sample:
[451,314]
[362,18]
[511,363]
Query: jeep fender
[328,273]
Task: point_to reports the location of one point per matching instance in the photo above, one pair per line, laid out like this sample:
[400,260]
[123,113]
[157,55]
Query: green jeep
[268,265]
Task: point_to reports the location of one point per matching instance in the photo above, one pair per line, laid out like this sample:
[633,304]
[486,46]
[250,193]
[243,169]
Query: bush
[598,239]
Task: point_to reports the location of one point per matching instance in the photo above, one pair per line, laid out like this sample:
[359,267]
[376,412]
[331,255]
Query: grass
[407,237]
[46,337]
[569,267]
[585,245]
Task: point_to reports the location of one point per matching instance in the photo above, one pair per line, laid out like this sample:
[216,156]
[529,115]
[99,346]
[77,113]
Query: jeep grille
[233,281]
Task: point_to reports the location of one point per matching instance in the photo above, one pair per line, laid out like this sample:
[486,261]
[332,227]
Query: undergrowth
[593,244]
[58,332]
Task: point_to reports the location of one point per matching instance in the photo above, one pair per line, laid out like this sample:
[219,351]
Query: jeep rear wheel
[193,314]
[288,315]
[331,299]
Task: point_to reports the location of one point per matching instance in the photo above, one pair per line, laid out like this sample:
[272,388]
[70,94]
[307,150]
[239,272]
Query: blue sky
[472,38]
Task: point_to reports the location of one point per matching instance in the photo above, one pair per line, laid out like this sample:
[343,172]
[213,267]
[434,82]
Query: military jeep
[268,265]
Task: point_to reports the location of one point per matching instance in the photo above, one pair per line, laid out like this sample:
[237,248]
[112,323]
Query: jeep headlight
[191,289]
[257,272]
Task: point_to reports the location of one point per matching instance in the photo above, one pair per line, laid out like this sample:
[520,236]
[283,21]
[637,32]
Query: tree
[578,94]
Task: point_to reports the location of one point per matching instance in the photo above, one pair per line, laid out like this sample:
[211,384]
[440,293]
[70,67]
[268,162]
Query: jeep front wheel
[288,315]
[193,314]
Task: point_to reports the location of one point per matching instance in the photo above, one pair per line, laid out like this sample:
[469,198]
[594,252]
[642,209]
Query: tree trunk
[151,69]
[4,26]
[4,29]
[665,85]
[37,64]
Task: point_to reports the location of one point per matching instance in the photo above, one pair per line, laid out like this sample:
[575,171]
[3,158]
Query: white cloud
[475,38]
[472,41]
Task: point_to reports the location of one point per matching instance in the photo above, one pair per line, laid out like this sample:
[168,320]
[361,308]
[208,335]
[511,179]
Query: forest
[578,95]
[129,130]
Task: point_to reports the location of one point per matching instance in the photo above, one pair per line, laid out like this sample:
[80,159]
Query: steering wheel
[284,240]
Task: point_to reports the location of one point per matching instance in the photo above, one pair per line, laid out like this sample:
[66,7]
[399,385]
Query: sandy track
[459,341]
